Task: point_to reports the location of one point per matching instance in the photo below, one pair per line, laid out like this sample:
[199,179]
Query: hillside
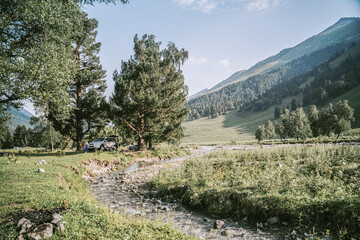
[289,63]
[19,117]
[323,83]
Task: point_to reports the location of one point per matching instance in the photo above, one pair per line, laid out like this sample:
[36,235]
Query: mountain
[331,80]
[19,117]
[284,66]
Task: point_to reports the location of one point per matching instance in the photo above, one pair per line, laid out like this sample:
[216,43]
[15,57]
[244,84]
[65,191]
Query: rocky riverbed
[126,192]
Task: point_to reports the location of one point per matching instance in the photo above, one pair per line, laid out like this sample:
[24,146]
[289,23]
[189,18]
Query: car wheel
[102,148]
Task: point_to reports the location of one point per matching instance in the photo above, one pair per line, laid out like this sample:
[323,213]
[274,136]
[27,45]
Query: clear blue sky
[222,36]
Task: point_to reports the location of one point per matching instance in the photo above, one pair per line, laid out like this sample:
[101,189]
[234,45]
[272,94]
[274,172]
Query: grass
[213,131]
[233,127]
[25,191]
[305,187]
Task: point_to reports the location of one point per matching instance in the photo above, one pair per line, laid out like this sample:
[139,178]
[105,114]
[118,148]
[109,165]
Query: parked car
[104,143]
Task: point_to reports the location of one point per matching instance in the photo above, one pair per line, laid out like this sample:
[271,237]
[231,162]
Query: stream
[125,191]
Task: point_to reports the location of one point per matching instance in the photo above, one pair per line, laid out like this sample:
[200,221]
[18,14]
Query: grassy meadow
[238,127]
[26,192]
[305,187]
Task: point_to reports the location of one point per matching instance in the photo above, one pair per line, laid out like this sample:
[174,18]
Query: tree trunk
[51,137]
[64,149]
[141,143]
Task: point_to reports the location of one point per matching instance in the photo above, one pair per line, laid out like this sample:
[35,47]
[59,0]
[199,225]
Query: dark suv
[104,143]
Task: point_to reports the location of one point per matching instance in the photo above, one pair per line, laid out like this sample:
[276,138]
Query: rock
[164,208]
[218,224]
[205,219]
[273,220]
[60,226]
[42,232]
[42,161]
[229,232]
[24,225]
[20,237]
[56,217]
[58,223]
[41,170]
[260,225]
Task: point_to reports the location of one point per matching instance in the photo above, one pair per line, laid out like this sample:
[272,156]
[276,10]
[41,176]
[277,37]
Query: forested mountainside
[19,117]
[283,67]
[326,81]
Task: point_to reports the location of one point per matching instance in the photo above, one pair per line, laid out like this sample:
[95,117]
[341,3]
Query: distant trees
[277,113]
[314,120]
[260,133]
[270,130]
[336,119]
[21,136]
[150,95]
[297,124]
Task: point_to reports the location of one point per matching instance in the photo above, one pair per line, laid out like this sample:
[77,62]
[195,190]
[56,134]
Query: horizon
[191,23]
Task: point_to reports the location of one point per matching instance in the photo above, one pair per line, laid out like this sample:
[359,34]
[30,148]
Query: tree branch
[129,125]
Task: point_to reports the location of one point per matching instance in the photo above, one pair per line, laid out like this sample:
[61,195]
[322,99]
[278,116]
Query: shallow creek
[125,191]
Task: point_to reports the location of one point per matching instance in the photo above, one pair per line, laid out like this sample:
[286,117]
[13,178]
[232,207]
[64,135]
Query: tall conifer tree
[150,95]
[87,89]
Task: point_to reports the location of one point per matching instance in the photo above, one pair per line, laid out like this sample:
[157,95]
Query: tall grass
[305,186]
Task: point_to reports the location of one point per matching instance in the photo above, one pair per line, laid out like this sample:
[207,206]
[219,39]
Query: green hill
[283,67]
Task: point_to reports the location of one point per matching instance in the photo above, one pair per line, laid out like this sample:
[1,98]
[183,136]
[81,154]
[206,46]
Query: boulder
[24,225]
[42,232]
[218,224]
[273,220]
[59,226]
[42,161]
[40,170]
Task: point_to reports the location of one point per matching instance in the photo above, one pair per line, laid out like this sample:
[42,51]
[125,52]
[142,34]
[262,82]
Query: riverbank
[128,192]
[60,187]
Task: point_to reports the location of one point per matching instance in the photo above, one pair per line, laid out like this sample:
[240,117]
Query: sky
[221,36]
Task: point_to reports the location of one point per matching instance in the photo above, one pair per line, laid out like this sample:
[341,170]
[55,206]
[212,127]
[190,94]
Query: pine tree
[88,105]
[277,112]
[150,95]
[293,105]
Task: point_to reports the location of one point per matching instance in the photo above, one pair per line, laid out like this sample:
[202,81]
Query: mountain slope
[285,66]
[345,30]
[337,77]
[19,117]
